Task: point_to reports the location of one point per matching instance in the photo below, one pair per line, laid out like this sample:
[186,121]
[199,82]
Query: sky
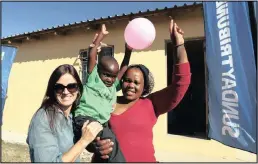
[20,17]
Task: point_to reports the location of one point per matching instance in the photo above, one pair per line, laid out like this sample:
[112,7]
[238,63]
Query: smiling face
[133,84]
[66,98]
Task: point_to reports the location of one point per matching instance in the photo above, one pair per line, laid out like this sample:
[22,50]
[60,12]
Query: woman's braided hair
[148,78]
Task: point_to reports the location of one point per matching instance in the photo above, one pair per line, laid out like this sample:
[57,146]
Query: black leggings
[115,156]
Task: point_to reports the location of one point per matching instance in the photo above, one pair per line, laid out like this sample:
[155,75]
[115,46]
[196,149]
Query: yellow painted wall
[36,59]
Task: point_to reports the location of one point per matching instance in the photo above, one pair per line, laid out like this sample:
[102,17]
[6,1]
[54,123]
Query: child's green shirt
[98,100]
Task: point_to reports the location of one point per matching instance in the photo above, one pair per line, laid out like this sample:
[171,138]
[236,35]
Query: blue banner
[255,8]
[7,57]
[231,74]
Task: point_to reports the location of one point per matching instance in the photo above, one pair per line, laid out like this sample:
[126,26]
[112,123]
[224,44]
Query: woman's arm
[168,98]
[125,62]
[89,132]
[43,143]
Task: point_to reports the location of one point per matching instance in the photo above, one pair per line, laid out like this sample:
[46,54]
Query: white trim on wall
[13,137]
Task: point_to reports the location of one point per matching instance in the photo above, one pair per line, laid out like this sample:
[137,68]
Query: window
[84,63]
[105,51]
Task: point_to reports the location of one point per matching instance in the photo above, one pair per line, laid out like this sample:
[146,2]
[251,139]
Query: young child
[99,95]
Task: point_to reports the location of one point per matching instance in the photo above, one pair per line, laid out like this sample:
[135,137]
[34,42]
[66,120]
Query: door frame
[205,74]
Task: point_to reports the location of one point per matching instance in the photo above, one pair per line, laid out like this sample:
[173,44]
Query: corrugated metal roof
[94,20]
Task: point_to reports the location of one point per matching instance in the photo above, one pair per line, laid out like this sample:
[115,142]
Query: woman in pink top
[137,110]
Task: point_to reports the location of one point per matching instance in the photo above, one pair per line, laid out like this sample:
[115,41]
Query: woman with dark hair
[137,110]
[50,134]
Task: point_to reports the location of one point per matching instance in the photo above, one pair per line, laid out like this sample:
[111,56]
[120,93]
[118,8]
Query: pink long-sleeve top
[133,128]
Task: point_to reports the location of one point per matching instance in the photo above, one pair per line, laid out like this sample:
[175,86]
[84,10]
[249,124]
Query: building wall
[36,59]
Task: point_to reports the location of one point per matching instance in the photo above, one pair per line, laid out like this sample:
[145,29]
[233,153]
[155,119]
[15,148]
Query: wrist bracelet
[92,45]
[176,46]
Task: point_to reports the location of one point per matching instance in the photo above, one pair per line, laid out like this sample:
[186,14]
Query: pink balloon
[139,33]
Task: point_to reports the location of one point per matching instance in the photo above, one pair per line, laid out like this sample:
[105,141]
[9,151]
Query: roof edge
[92,23]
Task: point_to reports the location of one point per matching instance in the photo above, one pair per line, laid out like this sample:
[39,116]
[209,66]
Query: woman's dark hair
[49,103]
[148,78]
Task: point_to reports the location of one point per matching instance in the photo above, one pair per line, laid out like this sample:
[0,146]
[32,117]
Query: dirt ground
[14,152]
[20,153]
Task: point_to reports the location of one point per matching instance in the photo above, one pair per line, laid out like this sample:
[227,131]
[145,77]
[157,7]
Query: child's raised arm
[96,43]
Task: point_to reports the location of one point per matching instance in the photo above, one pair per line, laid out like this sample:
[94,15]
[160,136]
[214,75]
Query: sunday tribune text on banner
[231,74]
